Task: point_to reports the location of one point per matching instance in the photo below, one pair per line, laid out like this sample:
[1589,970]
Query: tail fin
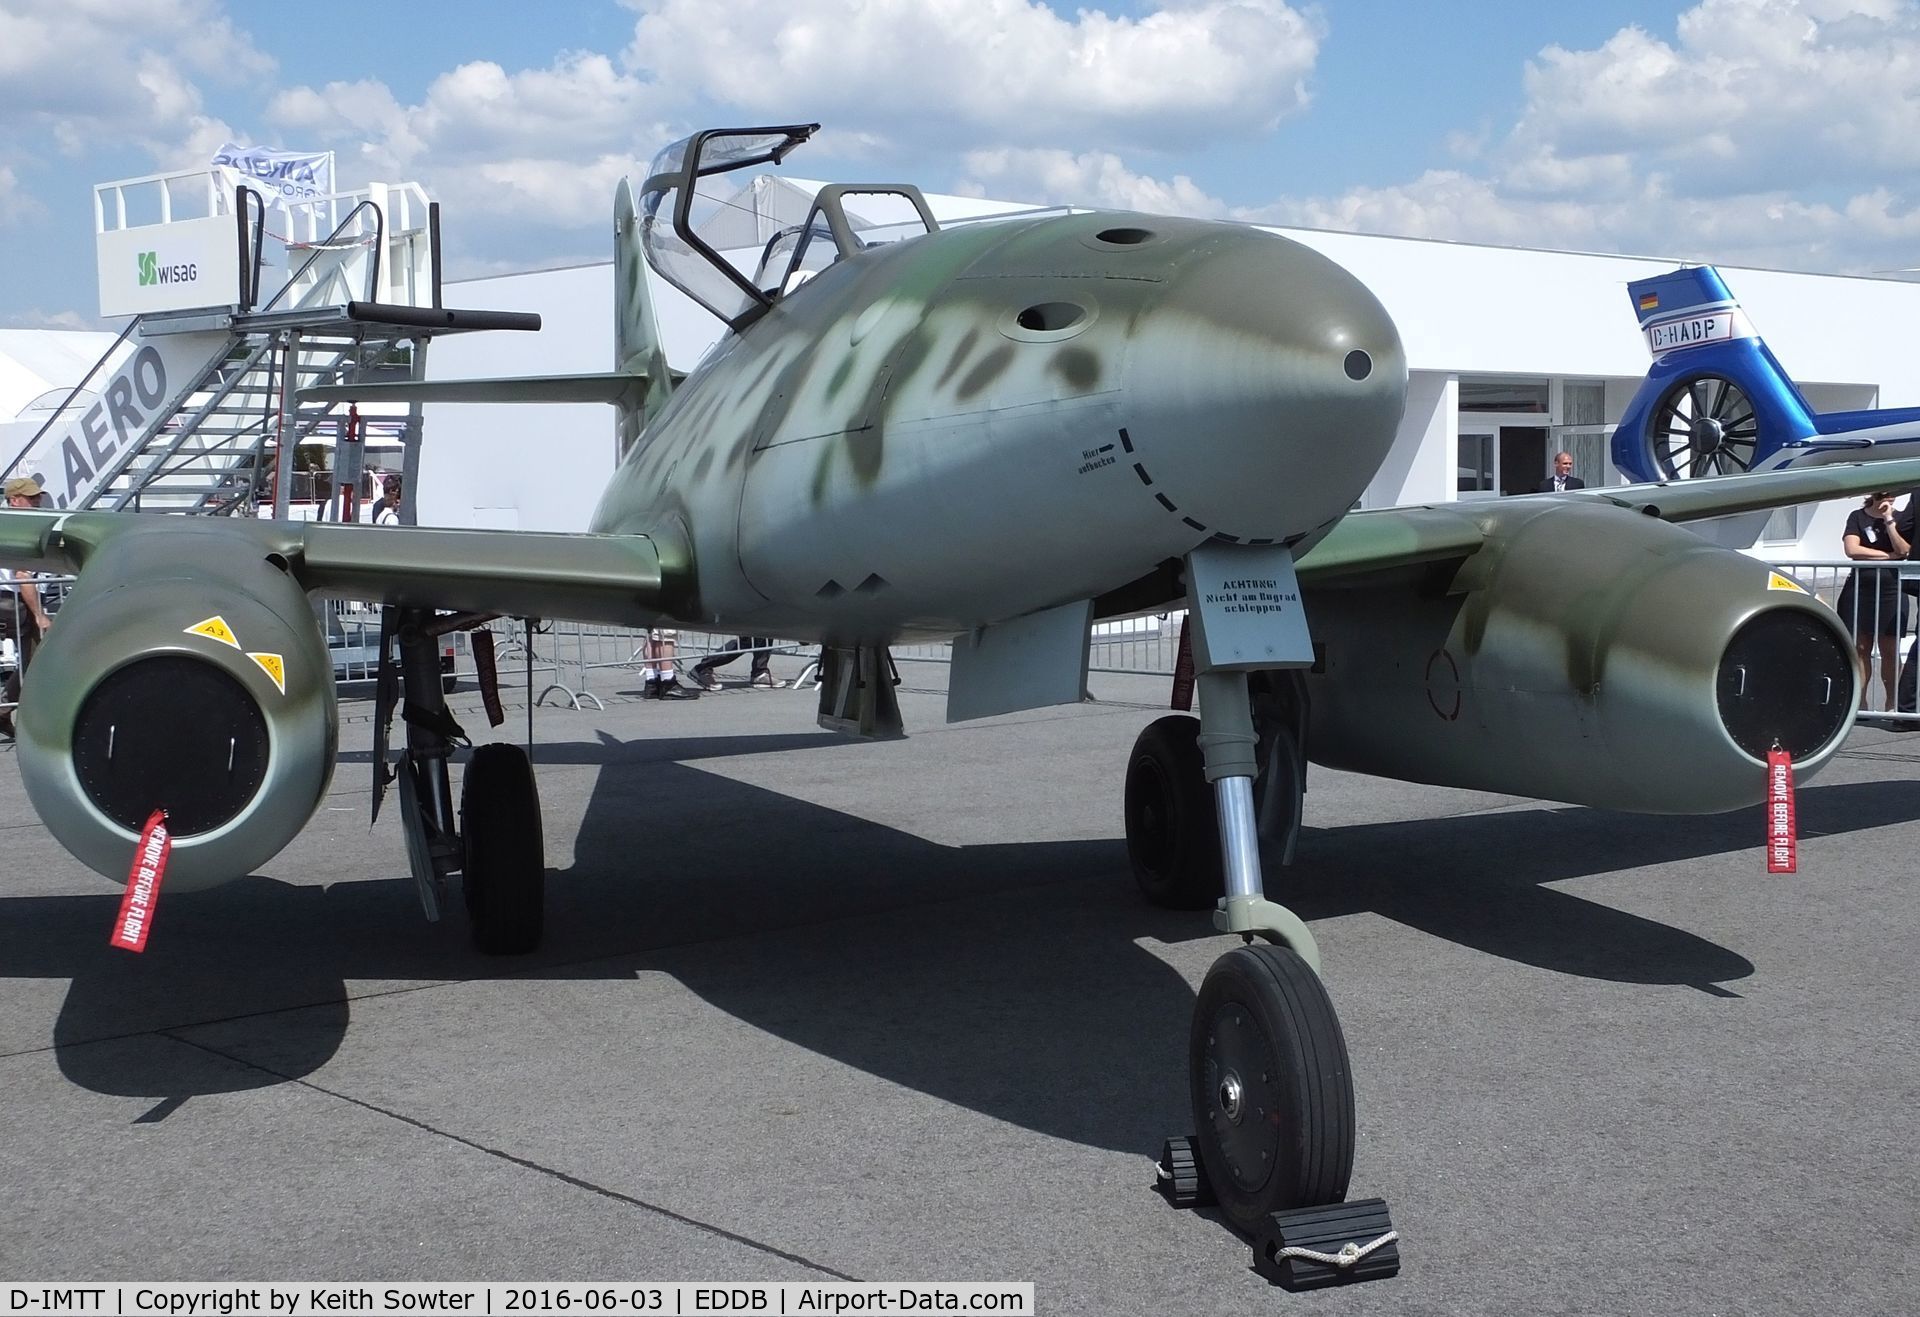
[636,334]
[639,382]
[1716,401]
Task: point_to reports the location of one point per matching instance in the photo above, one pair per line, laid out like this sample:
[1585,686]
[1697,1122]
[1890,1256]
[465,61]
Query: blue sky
[1772,132]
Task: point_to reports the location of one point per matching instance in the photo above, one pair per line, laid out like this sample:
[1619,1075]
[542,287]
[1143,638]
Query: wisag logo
[153,273]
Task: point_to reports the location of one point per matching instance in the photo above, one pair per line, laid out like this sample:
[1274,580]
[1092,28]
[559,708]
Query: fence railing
[1879,602]
[579,664]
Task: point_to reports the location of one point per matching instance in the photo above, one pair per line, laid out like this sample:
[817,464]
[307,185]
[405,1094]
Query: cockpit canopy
[680,256]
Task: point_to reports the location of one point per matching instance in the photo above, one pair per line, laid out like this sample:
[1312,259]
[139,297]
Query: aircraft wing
[618,579]
[1386,538]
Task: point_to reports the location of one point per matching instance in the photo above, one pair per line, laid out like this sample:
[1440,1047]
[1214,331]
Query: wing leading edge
[616,579]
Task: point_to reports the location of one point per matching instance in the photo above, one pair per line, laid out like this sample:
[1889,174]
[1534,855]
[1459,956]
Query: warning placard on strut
[1246,600]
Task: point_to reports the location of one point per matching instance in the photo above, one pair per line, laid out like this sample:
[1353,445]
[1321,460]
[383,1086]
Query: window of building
[1482,393]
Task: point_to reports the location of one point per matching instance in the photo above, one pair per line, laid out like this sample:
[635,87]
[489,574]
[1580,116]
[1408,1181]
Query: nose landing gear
[1268,1072]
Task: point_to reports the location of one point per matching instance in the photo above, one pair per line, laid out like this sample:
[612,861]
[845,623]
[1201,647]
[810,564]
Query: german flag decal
[215,628]
[1649,301]
[274,666]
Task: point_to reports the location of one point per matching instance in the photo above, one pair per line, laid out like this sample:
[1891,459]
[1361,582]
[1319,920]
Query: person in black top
[1562,478]
[1870,602]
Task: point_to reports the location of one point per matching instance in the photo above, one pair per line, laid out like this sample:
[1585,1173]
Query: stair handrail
[250,278]
[373,266]
[67,401]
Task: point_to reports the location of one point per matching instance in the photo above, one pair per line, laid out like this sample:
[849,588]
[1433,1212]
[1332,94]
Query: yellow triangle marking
[1775,581]
[274,666]
[215,628]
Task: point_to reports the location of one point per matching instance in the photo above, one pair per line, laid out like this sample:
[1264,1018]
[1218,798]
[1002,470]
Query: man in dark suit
[1563,477]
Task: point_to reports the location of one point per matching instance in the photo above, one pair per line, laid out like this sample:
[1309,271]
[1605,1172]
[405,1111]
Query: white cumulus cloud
[141,64]
[1773,132]
[987,73]
[1093,178]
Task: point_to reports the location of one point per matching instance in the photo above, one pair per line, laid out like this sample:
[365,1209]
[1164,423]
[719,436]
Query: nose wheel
[1271,1087]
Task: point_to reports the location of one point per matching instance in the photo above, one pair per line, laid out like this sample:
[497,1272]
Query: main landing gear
[494,842]
[504,872]
[1271,1087]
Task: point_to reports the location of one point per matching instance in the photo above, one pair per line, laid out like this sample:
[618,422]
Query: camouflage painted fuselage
[949,432]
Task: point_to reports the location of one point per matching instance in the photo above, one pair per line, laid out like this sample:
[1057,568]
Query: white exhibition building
[1515,354]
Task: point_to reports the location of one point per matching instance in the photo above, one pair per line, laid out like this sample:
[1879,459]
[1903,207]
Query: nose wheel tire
[1703,427]
[505,875]
[1271,1085]
[1173,833]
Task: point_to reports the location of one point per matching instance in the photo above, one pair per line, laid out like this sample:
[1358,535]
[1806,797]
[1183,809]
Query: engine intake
[171,732]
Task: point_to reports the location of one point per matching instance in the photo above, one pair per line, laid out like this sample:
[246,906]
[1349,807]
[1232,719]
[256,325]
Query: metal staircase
[195,409]
[217,453]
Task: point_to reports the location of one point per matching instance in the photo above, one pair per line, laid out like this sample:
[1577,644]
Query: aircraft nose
[1266,386]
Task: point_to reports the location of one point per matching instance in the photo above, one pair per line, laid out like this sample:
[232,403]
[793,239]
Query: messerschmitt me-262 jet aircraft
[1001,433]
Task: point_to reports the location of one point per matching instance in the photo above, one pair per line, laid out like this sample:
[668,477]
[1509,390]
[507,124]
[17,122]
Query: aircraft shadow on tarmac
[1039,1006]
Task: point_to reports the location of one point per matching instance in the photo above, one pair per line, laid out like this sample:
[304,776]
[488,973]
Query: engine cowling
[184,672]
[1587,654]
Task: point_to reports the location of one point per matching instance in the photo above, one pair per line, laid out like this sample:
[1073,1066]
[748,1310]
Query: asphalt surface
[810,1009]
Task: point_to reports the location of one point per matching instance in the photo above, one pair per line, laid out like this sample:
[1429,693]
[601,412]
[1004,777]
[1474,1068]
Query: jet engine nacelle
[184,672]
[1586,654]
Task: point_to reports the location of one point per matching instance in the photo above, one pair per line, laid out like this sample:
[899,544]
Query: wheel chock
[1179,1177]
[1310,1248]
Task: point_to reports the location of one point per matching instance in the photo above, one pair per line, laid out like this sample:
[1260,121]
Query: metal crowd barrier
[1879,602]
[576,664]
[15,620]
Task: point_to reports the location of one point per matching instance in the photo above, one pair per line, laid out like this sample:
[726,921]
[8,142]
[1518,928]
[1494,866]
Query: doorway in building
[1496,459]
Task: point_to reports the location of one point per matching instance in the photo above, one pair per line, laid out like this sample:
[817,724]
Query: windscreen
[668,208]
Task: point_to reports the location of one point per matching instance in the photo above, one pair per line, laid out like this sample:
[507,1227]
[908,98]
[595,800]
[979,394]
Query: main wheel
[1173,833]
[505,877]
[1272,1091]
[1703,427]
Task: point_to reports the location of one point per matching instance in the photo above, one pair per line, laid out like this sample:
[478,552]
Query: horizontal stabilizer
[606,386]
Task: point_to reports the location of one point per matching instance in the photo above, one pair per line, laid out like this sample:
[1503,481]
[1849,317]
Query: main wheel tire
[1705,426]
[1173,833]
[1271,1085]
[505,878]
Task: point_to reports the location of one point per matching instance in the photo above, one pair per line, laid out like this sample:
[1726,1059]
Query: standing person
[1871,606]
[387,511]
[762,678]
[661,668]
[23,618]
[389,493]
[1563,478]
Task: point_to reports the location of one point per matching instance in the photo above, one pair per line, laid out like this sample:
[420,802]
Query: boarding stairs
[196,409]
